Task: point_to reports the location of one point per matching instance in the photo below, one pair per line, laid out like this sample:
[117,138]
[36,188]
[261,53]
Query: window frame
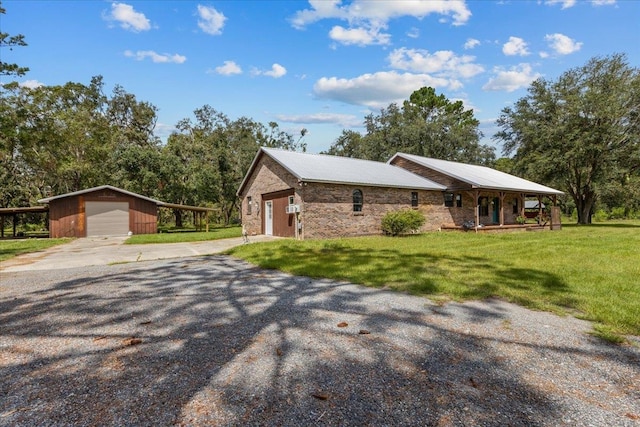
[414,199]
[483,209]
[449,200]
[249,201]
[357,198]
[458,199]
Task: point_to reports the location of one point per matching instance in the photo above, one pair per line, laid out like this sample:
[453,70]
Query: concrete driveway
[110,250]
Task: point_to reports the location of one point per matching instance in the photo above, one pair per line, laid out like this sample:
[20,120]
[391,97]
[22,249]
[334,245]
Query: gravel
[216,341]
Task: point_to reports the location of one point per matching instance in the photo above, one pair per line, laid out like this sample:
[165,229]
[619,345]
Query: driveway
[112,250]
[214,341]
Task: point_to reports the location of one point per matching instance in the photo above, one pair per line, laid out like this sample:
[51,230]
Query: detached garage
[101,211]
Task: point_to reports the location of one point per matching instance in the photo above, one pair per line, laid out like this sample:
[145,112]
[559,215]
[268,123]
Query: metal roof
[480,177]
[344,170]
[102,187]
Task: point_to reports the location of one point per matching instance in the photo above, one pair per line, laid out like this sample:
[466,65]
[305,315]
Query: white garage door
[107,218]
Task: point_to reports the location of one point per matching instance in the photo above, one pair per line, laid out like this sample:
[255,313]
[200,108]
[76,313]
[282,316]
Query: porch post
[477,210]
[502,194]
[522,198]
[539,206]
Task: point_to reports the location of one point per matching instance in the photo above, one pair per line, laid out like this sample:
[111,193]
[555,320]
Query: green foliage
[402,222]
[580,133]
[543,271]
[426,125]
[9,41]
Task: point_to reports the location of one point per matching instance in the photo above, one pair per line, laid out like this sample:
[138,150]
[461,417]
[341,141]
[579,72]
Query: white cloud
[566,4]
[562,44]
[471,43]
[515,46]
[345,120]
[359,36]
[373,15]
[603,2]
[515,78]
[211,21]
[229,68]
[376,90]
[128,18]
[413,33]
[31,84]
[443,63]
[276,71]
[155,57]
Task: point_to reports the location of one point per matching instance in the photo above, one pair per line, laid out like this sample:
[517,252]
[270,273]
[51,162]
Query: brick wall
[268,177]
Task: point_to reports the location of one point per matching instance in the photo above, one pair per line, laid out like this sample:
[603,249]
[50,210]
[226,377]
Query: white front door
[268,218]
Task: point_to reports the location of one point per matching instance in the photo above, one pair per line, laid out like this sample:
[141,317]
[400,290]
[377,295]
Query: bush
[617,213]
[600,216]
[402,222]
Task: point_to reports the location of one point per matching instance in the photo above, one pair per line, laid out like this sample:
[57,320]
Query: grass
[176,237]
[15,247]
[592,272]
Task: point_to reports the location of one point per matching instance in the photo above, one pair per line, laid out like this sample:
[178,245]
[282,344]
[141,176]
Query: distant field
[190,236]
[11,248]
[591,272]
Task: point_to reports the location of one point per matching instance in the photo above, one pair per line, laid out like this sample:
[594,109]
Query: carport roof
[480,177]
[342,170]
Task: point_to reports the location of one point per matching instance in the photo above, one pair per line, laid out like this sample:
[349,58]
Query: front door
[496,210]
[268,218]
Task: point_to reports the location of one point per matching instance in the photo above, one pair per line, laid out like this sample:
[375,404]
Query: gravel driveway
[215,341]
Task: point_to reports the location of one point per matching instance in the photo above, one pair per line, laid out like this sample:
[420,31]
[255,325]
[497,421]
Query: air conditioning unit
[291,209]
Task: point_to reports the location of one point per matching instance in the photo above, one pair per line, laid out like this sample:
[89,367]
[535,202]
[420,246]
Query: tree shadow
[215,341]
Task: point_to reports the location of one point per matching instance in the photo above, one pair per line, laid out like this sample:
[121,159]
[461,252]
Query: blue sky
[320,65]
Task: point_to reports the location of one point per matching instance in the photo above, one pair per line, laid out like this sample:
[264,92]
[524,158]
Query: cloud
[229,68]
[471,43]
[211,21]
[128,18]
[344,120]
[515,78]
[562,44]
[515,46]
[371,16]
[603,2]
[359,36]
[566,4]
[413,33]
[155,57]
[443,63]
[376,90]
[31,84]
[276,71]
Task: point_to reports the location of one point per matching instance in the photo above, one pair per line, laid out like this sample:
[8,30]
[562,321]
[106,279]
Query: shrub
[600,216]
[402,222]
[617,213]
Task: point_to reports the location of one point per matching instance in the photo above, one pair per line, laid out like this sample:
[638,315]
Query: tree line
[579,133]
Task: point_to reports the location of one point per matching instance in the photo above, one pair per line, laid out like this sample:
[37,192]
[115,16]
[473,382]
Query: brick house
[311,196]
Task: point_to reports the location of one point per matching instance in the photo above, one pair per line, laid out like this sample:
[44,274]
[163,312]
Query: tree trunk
[584,205]
[178,215]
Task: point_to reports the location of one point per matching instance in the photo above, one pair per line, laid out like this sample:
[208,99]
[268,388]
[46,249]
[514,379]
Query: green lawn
[11,248]
[592,272]
[191,236]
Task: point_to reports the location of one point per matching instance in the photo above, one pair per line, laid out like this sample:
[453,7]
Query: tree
[9,41]
[427,124]
[579,132]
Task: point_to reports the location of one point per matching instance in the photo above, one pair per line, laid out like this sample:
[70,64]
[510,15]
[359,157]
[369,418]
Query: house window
[483,206]
[291,200]
[414,199]
[458,200]
[515,206]
[448,200]
[249,205]
[357,200]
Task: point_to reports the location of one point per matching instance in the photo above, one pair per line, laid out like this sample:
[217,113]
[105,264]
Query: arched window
[357,200]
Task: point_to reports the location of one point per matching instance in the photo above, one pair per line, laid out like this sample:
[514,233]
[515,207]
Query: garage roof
[102,187]
[343,170]
[480,177]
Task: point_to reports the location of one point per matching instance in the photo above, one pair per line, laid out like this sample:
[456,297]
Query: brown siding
[67,215]
[284,224]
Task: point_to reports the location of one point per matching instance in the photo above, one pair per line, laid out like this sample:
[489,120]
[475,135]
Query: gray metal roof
[344,170]
[102,187]
[479,176]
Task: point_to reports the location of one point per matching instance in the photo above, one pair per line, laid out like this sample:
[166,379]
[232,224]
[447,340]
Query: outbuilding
[101,211]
